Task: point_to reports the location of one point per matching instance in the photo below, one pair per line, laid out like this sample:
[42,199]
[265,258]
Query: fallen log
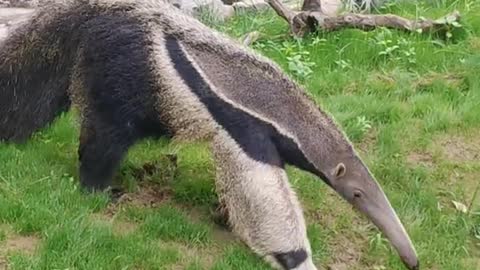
[311,18]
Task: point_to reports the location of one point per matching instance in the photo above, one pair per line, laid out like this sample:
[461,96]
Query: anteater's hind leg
[262,208]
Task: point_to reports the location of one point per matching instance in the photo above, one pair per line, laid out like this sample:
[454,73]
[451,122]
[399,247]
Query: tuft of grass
[168,224]
[239,258]
[196,172]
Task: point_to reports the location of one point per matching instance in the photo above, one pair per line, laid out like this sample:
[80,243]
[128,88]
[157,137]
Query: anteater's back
[241,79]
[36,61]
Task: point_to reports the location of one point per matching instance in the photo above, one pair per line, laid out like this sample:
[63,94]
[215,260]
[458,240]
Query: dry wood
[312,18]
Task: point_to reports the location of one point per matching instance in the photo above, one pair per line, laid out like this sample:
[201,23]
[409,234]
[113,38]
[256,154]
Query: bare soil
[453,80]
[17,243]
[420,158]
[346,254]
[475,45]
[205,256]
[119,227]
[368,143]
[460,149]
[26,244]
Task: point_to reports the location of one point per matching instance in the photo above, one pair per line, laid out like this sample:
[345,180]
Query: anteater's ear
[340,170]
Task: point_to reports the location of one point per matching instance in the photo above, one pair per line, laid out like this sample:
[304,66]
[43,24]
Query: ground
[410,103]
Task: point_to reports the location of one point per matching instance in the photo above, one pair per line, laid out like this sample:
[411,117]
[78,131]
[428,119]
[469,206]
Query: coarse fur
[138,69]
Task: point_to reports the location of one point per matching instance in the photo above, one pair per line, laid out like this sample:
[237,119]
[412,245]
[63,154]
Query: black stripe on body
[253,135]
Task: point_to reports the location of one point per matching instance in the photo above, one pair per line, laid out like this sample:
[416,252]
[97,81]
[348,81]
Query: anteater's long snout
[382,214]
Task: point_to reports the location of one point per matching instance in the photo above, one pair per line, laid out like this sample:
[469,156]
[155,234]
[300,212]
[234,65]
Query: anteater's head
[341,168]
[352,180]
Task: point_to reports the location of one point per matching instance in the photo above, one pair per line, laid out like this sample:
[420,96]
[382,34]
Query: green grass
[413,113]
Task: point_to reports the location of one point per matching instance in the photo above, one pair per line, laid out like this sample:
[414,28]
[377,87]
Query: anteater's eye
[357,194]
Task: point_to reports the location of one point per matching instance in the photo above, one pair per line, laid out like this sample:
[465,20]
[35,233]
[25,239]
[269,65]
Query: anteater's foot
[219,214]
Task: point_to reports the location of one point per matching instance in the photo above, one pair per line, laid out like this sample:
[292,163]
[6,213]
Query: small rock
[363,5]
[250,38]
[215,8]
[460,207]
[331,7]
[248,5]
[293,4]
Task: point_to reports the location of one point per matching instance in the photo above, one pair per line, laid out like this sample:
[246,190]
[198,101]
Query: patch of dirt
[450,79]
[124,227]
[205,256]
[368,142]
[221,233]
[151,194]
[462,177]
[474,258]
[220,215]
[3,263]
[475,45]
[152,179]
[147,195]
[346,254]
[420,158]
[385,79]
[119,227]
[5,229]
[472,262]
[26,244]
[224,236]
[18,243]
[460,149]
[332,210]
[468,182]
[160,171]
[347,243]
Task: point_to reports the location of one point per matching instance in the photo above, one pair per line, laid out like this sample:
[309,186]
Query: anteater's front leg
[262,208]
[102,148]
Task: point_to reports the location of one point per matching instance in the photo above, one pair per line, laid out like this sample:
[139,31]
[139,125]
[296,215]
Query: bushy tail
[35,65]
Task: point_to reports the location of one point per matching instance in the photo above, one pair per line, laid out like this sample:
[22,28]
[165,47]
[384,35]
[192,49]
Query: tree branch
[313,19]
[367,22]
